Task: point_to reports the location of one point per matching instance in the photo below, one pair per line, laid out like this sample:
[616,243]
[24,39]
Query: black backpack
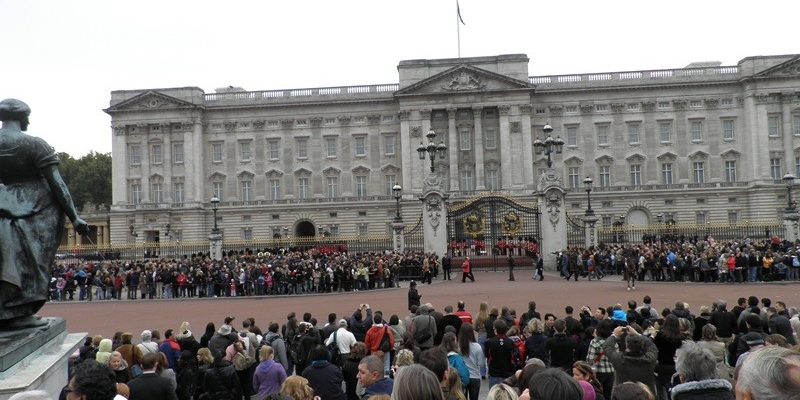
[385,346]
[333,349]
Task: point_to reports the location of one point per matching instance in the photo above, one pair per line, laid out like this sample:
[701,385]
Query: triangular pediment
[786,68]
[464,78]
[150,100]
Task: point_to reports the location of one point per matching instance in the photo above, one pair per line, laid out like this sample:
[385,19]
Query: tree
[88,178]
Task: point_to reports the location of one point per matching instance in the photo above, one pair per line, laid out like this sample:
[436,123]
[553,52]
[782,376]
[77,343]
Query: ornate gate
[491,227]
[576,231]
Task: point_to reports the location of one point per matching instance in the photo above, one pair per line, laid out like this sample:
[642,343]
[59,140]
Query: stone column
[119,166]
[166,162]
[398,240]
[786,130]
[590,225]
[215,245]
[480,181]
[527,146]
[408,149]
[193,161]
[790,220]
[552,217]
[434,215]
[452,149]
[505,147]
[758,169]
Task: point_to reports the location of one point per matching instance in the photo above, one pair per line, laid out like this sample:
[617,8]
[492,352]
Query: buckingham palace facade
[697,144]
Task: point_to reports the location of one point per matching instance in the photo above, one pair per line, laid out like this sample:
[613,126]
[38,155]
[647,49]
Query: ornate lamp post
[590,218]
[431,149]
[215,238]
[790,216]
[588,183]
[398,241]
[549,145]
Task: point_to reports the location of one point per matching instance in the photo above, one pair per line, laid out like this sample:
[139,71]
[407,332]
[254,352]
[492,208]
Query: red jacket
[375,335]
[466,267]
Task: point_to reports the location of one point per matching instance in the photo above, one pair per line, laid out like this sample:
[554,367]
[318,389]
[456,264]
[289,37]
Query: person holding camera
[637,363]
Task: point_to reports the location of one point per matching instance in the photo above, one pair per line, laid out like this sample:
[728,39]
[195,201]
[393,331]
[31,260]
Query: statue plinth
[552,217]
[434,215]
[18,344]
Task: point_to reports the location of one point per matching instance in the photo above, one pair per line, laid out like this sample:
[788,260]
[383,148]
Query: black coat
[562,351]
[711,389]
[221,382]
[725,322]
[326,380]
[150,386]
[780,325]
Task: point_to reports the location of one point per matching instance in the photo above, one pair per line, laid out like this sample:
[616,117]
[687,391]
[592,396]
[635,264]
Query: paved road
[551,295]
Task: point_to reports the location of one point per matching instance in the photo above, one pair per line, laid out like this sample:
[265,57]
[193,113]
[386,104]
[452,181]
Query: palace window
[247,189]
[574,177]
[332,186]
[728,129]
[135,152]
[216,189]
[136,193]
[605,176]
[775,168]
[666,173]
[360,146]
[216,152]
[665,132]
[467,180]
[730,171]
[361,186]
[156,193]
[389,145]
[177,196]
[274,148]
[698,169]
[245,151]
[177,153]
[491,178]
[302,148]
[302,188]
[390,180]
[602,134]
[796,125]
[697,131]
[490,136]
[572,136]
[156,153]
[464,139]
[636,174]
[275,188]
[331,147]
[773,125]
[633,132]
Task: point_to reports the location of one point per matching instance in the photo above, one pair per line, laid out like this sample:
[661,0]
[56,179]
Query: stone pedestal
[398,240]
[590,225]
[42,360]
[215,245]
[552,217]
[790,218]
[434,215]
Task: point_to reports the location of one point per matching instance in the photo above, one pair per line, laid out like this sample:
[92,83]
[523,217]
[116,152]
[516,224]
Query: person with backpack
[499,352]
[339,343]
[380,341]
[561,347]
[274,340]
[302,344]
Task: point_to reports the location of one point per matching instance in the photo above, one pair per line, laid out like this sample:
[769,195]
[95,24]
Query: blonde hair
[204,356]
[404,358]
[535,326]
[453,384]
[501,391]
[297,388]
[265,353]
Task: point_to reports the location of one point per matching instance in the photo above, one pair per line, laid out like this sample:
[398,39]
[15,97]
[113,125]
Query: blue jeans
[752,274]
[494,381]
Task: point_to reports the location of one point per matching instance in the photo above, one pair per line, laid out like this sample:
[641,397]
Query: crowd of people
[687,260]
[617,352]
[249,273]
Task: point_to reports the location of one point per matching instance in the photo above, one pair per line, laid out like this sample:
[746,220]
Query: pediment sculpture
[464,81]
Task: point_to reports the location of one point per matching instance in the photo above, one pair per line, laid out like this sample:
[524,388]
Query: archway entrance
[304,229]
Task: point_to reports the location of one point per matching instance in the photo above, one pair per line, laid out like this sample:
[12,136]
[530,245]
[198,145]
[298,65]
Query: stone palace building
[697,144]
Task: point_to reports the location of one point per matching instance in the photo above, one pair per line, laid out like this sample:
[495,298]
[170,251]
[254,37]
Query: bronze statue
[33,201]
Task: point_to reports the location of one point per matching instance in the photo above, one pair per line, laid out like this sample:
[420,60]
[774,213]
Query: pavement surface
[551,295]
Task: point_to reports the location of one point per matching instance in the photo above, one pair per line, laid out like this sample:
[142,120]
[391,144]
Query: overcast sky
[65,57]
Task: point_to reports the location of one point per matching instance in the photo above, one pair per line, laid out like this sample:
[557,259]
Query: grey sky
[64,57]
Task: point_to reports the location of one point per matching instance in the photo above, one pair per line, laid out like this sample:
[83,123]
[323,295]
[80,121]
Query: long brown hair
[466,336]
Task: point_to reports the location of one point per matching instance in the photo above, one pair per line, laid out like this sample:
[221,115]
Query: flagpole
[458,29]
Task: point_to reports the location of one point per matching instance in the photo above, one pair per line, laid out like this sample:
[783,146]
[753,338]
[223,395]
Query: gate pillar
[434,215]
[553,216]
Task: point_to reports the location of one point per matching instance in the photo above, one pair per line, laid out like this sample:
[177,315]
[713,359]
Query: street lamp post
[398,241]
[215,239]
[590,218]
[549,145]
[588,183]
[790,214]
[432,149]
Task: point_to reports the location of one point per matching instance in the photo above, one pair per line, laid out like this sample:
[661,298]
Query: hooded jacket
[710,389]
[635,368]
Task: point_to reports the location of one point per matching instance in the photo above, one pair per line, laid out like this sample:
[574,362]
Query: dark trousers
[466,275]
[446,275]
[473,389]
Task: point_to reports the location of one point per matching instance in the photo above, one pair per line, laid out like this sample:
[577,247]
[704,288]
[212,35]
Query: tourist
[769,373]
[554,384]
[278,344]
[187,377]
[91,381]
[416,382]
[324,378]
[473,356]
[585,375]
[372,378]
[697,372]
[350,369]
[269,375]
[499,352]
[637,363]
[297,388]
[668,340]
[150,385]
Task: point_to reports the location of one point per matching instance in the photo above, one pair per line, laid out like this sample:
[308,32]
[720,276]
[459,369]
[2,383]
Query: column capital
[504,109]
[451,112]
[403,115]
[425,113]
[525,108]
[477,109]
